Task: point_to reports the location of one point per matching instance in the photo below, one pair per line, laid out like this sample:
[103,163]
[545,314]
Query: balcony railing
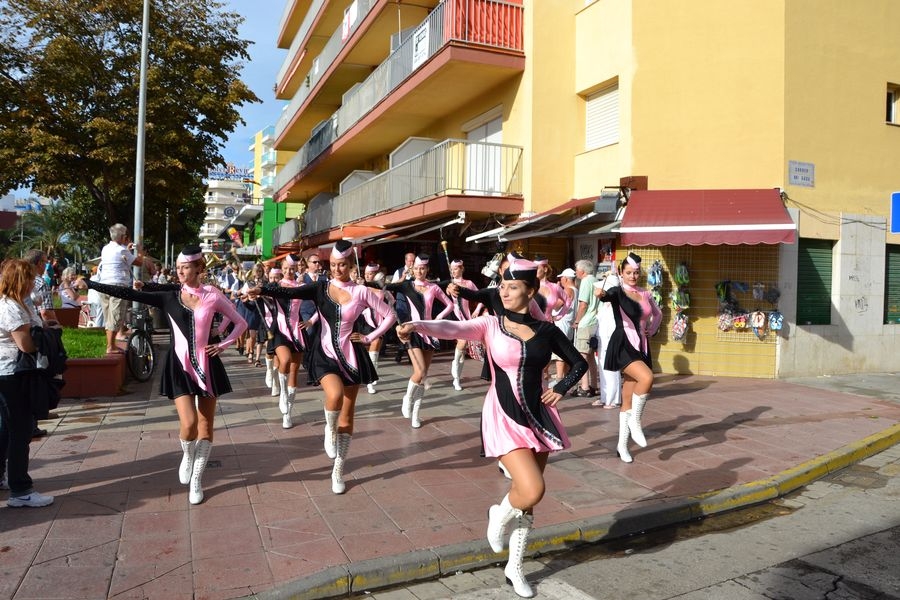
[298,40]
[453,167]
[491,23]
[322,62]
[267,158]
[286,233]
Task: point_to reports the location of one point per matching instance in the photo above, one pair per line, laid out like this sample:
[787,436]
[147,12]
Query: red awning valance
[711,217]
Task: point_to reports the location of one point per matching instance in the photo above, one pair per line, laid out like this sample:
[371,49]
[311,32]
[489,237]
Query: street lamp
[139,151]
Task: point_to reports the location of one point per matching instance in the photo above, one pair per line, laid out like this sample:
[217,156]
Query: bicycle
[140,353]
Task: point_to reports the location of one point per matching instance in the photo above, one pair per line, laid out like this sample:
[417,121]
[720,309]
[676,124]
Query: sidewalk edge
[446,560]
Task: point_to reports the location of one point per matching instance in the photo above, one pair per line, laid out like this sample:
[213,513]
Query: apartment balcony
[291,18]
[340,49]
[267,159]
[468,46]
[268,135]
[455,175]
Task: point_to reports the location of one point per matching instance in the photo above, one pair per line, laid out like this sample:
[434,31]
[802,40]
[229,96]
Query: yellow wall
[603,47]
[839,58]
[708,94]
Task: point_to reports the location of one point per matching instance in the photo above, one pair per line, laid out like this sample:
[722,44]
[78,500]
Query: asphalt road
[836,539]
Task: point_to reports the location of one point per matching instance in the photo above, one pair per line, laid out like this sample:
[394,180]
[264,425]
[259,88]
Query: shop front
[718,254]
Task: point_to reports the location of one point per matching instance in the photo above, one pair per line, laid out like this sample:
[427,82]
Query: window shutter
[814,282]
[601,124]
[892,285]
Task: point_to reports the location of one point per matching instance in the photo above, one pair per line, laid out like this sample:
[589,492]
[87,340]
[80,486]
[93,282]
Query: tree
[69,77]
[44,229]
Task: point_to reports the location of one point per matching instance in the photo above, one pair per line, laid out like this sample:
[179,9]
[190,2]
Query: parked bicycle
[140,353]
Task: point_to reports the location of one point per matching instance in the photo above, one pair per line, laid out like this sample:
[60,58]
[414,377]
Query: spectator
[116,261]
[586,326]
[16,419]
[93,297]
[69,289]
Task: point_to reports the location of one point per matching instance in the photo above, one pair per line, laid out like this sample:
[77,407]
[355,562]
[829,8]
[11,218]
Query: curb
[420,565]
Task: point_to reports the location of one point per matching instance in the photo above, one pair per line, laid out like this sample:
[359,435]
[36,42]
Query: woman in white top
[16,420]
[69,289]
[568,282]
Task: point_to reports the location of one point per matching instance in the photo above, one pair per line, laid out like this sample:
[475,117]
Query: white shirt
[115,264]
[12,316]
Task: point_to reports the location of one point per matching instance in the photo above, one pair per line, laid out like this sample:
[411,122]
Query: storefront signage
[229,173]
[801,173]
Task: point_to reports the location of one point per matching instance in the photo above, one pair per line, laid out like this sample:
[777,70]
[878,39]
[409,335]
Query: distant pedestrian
[116,260]
[586,326]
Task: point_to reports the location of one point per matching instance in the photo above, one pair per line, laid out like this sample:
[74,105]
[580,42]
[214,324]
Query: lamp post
[139,151]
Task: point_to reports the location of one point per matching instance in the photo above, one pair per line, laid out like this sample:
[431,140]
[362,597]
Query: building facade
[572,129]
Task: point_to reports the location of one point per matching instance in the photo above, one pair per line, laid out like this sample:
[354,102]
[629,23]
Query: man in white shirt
[116,260]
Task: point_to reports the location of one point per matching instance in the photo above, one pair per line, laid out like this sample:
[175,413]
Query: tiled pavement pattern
[121,526]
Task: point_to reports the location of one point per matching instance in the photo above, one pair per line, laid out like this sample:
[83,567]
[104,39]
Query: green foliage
[84,343]
[69,78]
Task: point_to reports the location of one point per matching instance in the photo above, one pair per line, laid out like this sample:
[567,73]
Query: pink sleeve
[536,311]
[384,315]
[448,303]
[473,329]
[224,306]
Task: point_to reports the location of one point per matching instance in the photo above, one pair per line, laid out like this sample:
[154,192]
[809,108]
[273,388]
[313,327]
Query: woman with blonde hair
[16,419]
[193,375]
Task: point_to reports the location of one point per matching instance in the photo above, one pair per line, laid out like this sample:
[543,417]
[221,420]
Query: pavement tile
[270,517]
[53,580]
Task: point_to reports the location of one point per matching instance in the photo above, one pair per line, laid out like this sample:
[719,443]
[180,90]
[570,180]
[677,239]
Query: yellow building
[540,126]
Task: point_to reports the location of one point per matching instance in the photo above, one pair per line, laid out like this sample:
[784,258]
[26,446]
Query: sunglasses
[313,262]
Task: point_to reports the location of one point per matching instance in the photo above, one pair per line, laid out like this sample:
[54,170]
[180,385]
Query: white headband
[183,258]
[456,263]
[337,254]
[419,262]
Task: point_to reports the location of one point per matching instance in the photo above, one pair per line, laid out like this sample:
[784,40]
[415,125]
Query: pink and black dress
[282,317]
[628,342]
[554,293]
[513,415]
[332,351]
[188,370]
[422,296]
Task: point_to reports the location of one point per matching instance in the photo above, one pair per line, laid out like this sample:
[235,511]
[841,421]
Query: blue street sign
[895,212]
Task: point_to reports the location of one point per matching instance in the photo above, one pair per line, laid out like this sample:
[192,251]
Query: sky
[261,20]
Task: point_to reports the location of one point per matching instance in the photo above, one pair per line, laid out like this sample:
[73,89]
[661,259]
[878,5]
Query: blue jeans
[16,426]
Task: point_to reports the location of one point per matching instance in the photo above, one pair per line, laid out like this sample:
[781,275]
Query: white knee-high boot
[282,393]
[456,368]
[499,516]
[276,383]
[373,356]
[518,543]
[201,458]
[337,472]
[622,447]
[418,394]
[186,469]
[268,372]
[407,398]
[331,419]
[637,409]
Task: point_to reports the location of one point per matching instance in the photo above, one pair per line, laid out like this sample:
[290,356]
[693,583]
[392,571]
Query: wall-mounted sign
[895,212]
[801,173]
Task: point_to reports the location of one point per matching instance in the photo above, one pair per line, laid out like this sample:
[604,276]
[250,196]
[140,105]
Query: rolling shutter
[601,123]
[892,285]
[814,263]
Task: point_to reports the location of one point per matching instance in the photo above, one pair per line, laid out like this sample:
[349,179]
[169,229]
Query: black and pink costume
[188,370]
[513,415]
[422,296]
[332,351]
[628,342]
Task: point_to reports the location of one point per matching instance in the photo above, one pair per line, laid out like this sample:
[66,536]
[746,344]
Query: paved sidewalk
[416,500]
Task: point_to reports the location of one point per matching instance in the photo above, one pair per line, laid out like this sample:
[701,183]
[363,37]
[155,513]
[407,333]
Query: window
[892,104]
[601,122]
[814,281]
[892,284]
